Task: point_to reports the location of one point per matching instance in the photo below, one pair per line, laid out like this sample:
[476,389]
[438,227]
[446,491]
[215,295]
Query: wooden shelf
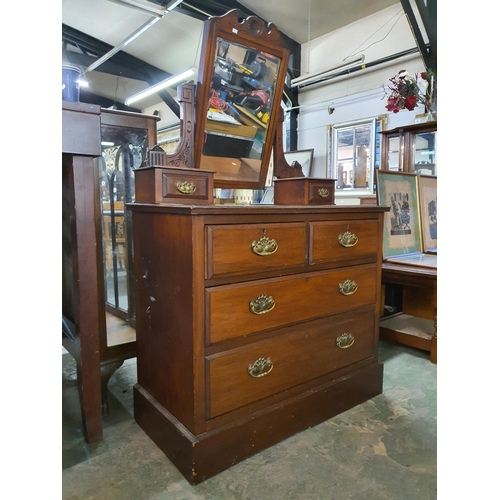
[408,330]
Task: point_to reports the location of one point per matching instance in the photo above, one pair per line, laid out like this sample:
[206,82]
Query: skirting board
[203,456]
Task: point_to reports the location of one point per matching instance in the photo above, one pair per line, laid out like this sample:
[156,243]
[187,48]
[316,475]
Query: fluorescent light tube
[160,86]
[325,74]
[148,9]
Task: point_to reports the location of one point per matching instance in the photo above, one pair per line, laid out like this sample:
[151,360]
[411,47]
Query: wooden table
[416,324]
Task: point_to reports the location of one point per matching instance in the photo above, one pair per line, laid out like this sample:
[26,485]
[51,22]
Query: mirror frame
[236,27]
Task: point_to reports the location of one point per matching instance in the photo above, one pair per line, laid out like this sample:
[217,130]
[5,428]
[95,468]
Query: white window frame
[333,157]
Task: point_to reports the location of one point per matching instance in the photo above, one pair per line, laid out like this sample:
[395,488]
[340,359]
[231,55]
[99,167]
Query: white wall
[360,95]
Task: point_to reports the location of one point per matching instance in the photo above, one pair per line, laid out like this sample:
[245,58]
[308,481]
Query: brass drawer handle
[260,367]
[186,187]
[262,304]
[345,340]
[348,287]
[323,192]
[348,239]
[265,246]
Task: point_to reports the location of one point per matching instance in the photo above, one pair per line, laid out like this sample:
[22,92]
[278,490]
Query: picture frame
[427,187]
[304,157]
[402,229]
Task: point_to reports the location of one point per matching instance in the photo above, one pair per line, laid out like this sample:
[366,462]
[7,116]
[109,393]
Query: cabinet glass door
[394,153]
[123,150]
[424,153]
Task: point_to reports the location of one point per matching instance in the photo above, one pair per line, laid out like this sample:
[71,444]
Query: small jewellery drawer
[253,248]
[254,306]
[333,241]
[304,191]
[305,351]
[173,185]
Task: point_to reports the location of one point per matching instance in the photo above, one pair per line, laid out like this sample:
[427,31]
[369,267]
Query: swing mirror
[240,83]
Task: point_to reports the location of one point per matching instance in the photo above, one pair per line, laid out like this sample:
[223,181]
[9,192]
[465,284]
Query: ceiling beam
[428,14]
[121,64]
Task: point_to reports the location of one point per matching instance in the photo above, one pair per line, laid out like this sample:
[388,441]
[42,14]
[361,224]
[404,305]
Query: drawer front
[333,241]
[253,248]
[245,308]
[321,191]
[181,185]
[306,351]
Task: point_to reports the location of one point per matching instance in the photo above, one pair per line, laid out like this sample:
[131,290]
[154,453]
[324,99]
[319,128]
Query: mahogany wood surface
[308,351]
[197,335]
[205,455]
[304,191]
[297,298]
[80,265]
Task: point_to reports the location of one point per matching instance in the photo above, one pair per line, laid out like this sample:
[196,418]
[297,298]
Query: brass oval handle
[260,367]
[186,187]
[262,304]
[264,246]
[345,340]
[348,239]
[323,192]
[348,287]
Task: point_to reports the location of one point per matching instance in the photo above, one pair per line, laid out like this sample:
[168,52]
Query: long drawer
[305,351]
[252,248]
[245,308]
[342,241]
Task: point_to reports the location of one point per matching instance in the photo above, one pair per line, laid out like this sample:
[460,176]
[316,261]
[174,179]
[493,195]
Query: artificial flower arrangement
[406,92]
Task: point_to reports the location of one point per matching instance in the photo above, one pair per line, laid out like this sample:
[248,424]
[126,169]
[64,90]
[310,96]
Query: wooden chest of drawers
[253,323]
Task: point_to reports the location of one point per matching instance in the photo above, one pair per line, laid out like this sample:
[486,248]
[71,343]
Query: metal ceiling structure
[125,65]
[83,50]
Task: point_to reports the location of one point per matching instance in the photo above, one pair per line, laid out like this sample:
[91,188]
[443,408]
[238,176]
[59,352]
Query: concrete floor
[383,449]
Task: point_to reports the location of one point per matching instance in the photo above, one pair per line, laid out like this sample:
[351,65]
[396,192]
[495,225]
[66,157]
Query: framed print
[427,193]
[402,231]
[304,157]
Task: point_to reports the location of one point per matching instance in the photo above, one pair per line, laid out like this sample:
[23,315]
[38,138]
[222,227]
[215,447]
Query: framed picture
[427,193]
[304,157]
[402,230]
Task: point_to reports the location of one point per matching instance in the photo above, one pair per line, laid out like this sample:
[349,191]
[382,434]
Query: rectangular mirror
[241,79]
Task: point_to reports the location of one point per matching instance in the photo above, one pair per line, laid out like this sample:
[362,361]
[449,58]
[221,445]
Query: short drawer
[242,376]
[173,185]
[254,306]
[341,241]
[253,248]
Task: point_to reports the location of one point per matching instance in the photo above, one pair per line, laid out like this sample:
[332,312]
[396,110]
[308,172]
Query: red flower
[407,92]
[410,102]
[392,105]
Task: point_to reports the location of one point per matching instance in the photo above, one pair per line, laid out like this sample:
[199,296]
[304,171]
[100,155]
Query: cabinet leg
[107,369]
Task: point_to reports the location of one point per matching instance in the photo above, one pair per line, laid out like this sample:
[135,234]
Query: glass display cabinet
[125,138]
[101,149]
[412,148]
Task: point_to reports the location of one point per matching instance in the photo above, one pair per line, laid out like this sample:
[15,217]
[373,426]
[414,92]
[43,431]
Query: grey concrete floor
[383,449]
